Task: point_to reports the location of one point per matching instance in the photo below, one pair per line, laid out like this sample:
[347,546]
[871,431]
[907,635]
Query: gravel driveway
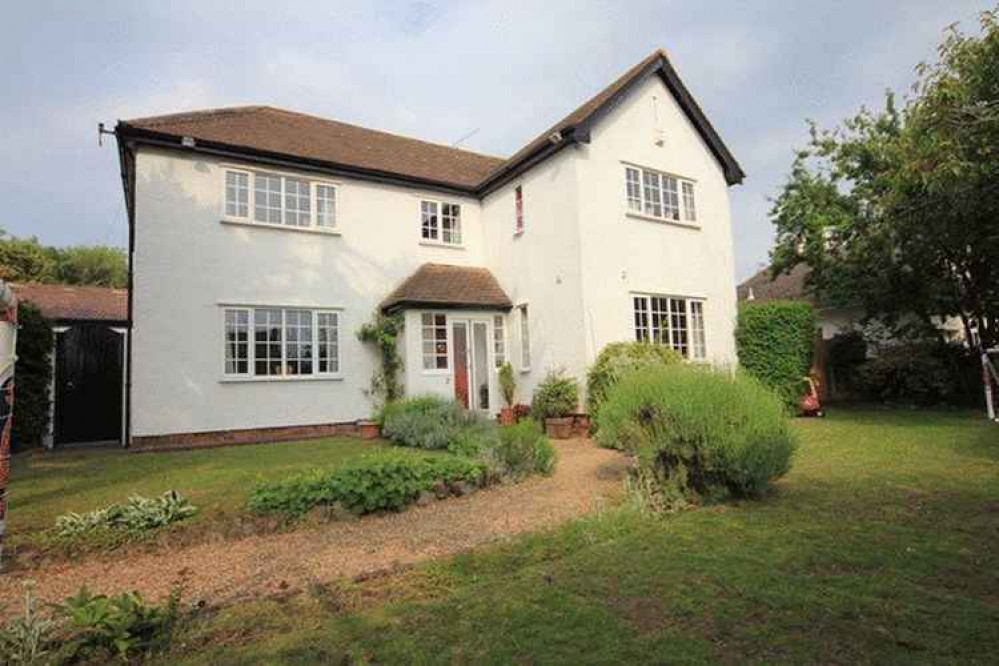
[228,570]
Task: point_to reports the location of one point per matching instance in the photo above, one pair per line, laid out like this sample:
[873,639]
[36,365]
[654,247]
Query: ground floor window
[277,342]
[525,338]
[435,355]
[672,321]
[499,341]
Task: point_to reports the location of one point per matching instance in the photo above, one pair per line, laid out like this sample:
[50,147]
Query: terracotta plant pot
[559,428]
[368,429]
[507,417]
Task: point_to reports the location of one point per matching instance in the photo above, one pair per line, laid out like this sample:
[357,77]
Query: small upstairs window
[518,197]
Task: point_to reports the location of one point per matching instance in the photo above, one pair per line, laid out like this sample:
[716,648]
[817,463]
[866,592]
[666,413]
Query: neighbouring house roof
[785,287]
[268,132]
[447,286]
[63,303]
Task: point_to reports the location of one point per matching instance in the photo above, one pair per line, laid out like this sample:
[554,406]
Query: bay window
[499,341]
[677,323]
[280,342]
[435,352]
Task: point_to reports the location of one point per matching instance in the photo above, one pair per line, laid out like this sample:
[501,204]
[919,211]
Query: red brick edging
[216,438]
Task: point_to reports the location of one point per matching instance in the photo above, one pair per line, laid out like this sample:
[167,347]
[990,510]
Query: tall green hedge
[775,341]
[34,373]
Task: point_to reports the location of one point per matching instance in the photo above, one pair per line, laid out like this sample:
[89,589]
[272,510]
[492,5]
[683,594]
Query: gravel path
[229,570]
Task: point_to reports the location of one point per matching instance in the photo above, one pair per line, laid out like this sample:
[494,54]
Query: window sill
[226,379]
[440,372]
[524,371]
[518,234]
[282,227]
[661,220]
[449,246]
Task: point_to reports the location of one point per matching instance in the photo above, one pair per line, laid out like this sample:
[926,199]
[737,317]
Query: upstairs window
[677,323]
[660,195]
[518,198]
[440,222]
[276,199]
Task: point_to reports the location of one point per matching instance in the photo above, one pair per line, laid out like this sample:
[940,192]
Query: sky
[499,71]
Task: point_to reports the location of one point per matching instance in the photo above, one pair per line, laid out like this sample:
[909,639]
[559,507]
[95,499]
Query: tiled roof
[279,132]
[444,285]
[60,302]
[297,134]
[786,287]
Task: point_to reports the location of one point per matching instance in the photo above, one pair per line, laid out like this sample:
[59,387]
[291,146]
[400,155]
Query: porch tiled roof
[448,286]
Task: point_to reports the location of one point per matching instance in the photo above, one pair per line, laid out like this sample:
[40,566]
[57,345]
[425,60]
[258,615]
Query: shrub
[617,358]
[139,514]
[557,395]
[696,433]
[775,342]
[381,482]
[425,422]
[34,373]
[383,332]
[922,373]
[523,449]
[508,385]
[123,625]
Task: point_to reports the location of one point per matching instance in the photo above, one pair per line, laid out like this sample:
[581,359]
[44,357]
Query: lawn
[45,485]
[879,547]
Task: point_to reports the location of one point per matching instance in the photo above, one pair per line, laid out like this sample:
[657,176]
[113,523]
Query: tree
[25,260]
[897,211]
[97,265]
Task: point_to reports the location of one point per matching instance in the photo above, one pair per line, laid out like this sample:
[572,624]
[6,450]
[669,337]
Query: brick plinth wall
[201,440]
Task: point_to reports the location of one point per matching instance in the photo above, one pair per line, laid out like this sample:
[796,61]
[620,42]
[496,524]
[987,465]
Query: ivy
[34,373]
[775,341]
[383,332]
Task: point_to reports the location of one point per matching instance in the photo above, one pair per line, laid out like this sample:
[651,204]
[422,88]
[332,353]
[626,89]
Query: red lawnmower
[810,405]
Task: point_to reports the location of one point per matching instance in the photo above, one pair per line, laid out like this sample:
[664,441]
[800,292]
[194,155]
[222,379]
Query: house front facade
[261,240]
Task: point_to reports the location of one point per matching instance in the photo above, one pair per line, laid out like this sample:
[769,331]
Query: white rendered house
[262,239]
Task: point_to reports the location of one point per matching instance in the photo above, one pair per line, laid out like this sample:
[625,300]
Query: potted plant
[508,387]
[555,401]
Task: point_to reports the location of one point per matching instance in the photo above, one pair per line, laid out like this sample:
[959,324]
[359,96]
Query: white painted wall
[575,266]
[187,262]
[622,254]
[540,267]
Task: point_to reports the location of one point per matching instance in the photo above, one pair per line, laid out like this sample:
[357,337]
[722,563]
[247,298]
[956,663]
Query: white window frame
[250,375]
[500,349]
[448,354]
[313,193]
[692,344]
[659,194]
[524,331]
[438,240]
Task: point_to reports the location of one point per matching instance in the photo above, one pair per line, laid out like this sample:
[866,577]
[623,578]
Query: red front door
[460,335]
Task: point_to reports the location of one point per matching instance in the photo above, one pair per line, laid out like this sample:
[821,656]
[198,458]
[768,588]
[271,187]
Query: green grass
[878,547]
[45,485]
